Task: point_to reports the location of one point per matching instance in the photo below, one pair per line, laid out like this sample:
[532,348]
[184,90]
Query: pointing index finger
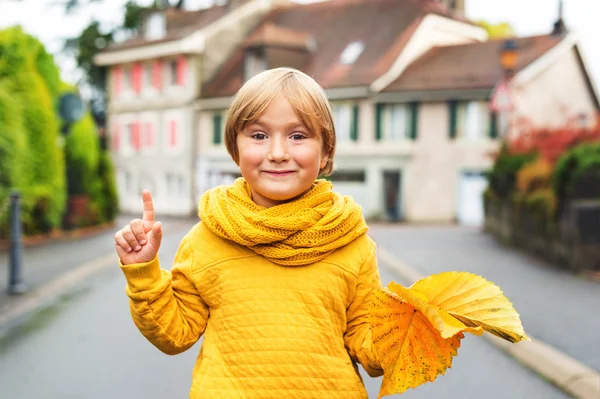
[148,217]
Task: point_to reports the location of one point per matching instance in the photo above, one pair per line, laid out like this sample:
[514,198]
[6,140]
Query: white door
[470,198]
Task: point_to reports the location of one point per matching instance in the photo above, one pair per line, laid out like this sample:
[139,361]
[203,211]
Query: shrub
[577,172]
[29,79]
[502,177]
[534,176]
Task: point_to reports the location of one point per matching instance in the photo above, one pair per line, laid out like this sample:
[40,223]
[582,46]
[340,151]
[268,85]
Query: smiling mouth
[279,172]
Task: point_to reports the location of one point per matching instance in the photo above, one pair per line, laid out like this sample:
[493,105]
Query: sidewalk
[53,267]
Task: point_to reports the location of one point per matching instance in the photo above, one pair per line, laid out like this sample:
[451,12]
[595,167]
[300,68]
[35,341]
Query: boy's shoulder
[354,254]
[210,247]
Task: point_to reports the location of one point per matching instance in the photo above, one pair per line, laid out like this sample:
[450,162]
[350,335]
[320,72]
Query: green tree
[30,79]
[93,39]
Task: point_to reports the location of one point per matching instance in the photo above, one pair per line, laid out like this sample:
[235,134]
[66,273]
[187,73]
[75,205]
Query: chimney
[559,26]
[455,6]
[458,5]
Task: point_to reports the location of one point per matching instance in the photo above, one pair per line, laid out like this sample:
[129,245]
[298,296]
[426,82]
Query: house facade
[154,80]
[410,85]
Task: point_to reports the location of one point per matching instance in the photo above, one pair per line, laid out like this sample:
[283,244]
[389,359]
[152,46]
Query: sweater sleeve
[166,306]
[358,332]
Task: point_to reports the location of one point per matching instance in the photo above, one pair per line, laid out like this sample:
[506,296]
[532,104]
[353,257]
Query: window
[155,26]
[356,176]
[345,119]
[351,53]
[146,182]
[175,185]
[471,120]
[149,135]
[127,79]
[148,76]
[254,63]
[132,135]
[172,70]
[396,122]
[218,125]
[128,180]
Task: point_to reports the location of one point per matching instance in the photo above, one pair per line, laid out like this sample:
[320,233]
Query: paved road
[86,347]
[556,306]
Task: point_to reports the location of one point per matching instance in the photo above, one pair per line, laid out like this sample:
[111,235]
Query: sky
[46,20]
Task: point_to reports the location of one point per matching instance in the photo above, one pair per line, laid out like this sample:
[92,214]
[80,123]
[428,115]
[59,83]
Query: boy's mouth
[279,172]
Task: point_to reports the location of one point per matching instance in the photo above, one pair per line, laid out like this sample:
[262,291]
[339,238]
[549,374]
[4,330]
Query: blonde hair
[304,94]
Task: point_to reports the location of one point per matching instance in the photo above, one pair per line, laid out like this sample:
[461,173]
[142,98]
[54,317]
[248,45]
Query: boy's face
[278,156]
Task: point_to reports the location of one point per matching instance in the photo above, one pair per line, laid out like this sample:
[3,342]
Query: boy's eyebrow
[292,125]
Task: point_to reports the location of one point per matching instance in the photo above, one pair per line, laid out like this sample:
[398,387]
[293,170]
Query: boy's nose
[278,151]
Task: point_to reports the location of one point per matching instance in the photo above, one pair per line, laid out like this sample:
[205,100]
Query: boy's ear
[324,160]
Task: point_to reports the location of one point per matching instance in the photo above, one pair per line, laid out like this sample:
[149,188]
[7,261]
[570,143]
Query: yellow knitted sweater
[270,330]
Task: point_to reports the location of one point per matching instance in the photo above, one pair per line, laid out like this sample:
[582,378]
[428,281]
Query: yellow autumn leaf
[446,325]
[474,301]
[416,331]
[408,341]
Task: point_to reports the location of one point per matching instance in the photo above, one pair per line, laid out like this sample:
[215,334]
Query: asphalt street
[86,346]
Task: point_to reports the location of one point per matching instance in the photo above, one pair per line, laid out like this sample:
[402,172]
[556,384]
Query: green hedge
[577,172]
[503,175]
[29,132]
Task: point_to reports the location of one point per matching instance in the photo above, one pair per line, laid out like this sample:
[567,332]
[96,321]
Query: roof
[180,23]
[467,66]
[383,26]
[273,35]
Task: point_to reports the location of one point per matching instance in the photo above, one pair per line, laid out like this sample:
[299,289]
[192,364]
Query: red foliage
[550,144]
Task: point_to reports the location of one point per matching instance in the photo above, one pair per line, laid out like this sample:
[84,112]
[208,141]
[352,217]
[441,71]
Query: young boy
[279,273]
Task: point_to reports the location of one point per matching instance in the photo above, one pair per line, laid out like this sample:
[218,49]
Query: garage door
[471,186]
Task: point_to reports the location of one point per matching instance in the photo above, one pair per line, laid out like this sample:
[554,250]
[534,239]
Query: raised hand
[139,241]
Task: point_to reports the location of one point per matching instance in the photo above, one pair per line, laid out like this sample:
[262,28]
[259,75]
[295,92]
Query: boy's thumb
[156,235]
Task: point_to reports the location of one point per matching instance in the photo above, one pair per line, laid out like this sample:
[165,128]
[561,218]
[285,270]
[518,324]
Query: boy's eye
[259,136]
[298,136]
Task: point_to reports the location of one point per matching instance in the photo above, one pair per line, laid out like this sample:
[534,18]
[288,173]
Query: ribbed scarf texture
[296,233]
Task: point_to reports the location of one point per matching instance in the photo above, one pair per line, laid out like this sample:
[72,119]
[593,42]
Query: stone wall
[571,241]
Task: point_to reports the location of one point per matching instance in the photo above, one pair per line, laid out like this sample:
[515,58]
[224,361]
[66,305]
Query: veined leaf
[417,331]
[474,301]
[408,344]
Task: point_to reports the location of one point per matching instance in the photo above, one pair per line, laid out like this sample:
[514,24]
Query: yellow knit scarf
[296,233]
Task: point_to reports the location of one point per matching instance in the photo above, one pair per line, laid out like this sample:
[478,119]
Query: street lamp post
[16,284]
[501,101]
[509,56]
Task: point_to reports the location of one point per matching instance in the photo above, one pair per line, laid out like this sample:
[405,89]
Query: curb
[570,375]
[44,294]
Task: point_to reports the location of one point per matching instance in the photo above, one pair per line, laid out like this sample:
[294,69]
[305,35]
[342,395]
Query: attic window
[155,26]
[255,63]
[352,52]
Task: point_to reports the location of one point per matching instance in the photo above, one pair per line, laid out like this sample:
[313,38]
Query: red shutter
[149,135]
[118,80]
[157,74]
[135,135]
[136,77]
[116,137]
[172,133]
[181,70]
